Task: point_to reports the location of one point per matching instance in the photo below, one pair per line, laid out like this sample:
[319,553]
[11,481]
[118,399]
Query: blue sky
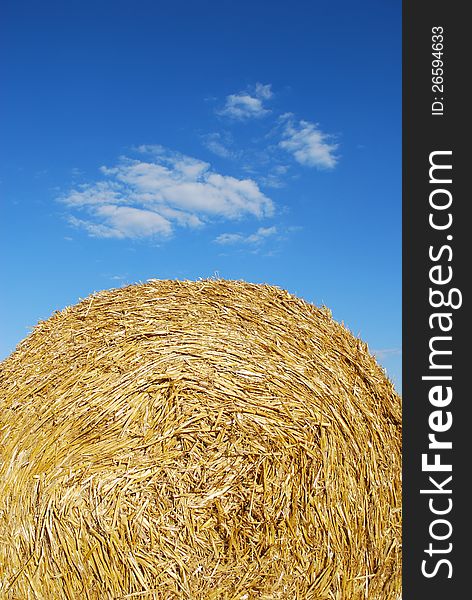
[250,140]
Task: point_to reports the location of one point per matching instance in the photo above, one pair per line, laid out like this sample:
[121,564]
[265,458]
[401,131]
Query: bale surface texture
[209,440]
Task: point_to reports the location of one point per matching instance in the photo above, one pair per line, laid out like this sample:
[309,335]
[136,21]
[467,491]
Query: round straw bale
[200,440]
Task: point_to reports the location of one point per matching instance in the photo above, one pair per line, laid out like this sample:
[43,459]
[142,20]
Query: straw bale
[208,440]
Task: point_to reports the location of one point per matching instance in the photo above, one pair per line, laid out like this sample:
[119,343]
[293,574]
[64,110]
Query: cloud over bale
[198,440]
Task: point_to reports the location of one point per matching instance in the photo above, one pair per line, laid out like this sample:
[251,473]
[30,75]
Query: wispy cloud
[276,177]
[264,90]
[153,191]
[150,195]
[124,222]
[218,143]
[384,353]
[246,105]
[254,238]
[118,277]
[307,143]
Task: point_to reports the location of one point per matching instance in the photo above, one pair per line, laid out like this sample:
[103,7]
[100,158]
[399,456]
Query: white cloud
[255,238]
[384,353]
[118,277]
[229,238]
[216,143]
[134,222]
[247,104]
[123,222]
[102,192]
[243,106]
[143,198]
[302,139]
[264,91]
[309,146]
[275,178]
